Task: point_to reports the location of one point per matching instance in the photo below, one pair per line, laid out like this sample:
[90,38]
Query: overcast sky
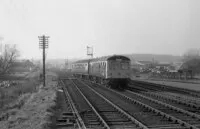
[110,26]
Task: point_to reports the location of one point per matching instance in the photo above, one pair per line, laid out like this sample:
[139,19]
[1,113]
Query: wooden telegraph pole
[43,44]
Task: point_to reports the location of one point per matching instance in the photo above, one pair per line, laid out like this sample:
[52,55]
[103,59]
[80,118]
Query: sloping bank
[34,113]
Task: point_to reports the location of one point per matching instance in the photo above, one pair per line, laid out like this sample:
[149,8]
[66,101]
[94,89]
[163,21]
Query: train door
[89,67]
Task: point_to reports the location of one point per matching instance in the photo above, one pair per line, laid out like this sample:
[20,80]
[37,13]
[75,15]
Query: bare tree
[191,60]
[191,54]
[7,58]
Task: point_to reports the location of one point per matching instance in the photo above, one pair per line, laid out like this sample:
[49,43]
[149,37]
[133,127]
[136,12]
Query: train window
[110,66]
[115,66]
[124,66]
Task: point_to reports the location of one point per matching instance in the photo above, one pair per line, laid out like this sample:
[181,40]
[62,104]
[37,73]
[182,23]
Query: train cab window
[110,66]
[114,66]
[124,66]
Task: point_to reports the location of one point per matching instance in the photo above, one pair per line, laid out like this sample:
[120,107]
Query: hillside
[155,57]
[138,57]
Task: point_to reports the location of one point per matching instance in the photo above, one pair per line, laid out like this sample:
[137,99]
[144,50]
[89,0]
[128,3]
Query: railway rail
[169,98]
[179,98]
[190,98]
[110,115]
[69,117]
[152,117]
[159,87]
[102,107]
[192,119]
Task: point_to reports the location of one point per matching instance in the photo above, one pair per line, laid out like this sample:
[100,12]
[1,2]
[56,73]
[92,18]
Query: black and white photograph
[99,64]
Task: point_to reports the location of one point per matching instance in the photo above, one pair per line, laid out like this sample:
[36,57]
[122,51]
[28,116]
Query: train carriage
[113,71]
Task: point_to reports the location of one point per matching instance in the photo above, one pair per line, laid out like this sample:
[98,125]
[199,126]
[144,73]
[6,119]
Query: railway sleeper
[126,127]
[165,115]
[98,117]
[69,100]
[167,126]
[65,124]
[169,106]
[158,95]
[94,120]
[169,88]
[159,112]
[124,114]
[95,123]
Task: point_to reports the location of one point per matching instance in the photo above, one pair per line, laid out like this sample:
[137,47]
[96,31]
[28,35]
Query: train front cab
[118,71]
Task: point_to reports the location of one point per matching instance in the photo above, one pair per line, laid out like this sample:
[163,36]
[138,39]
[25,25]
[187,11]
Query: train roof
[104,58]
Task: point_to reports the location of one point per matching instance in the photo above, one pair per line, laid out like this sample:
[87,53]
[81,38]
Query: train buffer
[67,119]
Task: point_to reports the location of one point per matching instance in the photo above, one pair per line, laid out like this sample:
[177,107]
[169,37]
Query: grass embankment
[10,94]
[33,110]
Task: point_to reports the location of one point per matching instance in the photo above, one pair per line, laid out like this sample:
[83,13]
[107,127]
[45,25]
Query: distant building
[163,65]
[137,65]
[147,64]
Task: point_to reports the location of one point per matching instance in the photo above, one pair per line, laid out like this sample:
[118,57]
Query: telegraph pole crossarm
[43,44]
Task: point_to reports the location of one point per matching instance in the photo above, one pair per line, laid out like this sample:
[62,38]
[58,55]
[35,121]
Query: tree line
[9,54]
[191,59]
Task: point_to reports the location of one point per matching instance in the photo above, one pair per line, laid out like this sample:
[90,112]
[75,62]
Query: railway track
[170,98]
[190,97]
[179,98]
[103,113]
[67,116]
[148,115]
[100,107]
[159,87]
[192,119]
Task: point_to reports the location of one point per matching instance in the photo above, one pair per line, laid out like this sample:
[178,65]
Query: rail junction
[95,106]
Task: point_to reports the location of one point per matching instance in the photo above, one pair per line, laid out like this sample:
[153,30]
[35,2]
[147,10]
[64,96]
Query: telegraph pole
[43,44]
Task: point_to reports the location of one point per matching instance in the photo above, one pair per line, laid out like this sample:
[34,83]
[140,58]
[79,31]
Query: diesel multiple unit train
[112,71]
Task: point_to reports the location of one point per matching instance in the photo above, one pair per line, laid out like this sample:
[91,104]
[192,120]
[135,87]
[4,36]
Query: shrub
[10,94]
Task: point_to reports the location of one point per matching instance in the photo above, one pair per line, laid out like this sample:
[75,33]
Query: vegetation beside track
[8,95]
[31,109]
